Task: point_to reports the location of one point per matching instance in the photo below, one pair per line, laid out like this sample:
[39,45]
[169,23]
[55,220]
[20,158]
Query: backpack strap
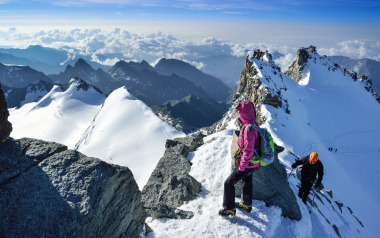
[253,126]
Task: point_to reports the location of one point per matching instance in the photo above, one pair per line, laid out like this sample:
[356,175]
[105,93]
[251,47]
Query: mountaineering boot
[242,207]
[226,213]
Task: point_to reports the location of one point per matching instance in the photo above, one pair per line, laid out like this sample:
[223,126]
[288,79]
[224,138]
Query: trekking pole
[290,173]
[312,202]
[293,154]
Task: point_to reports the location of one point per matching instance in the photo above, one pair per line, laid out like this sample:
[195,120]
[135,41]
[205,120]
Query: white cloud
[108,61]
[119,44]
[355,49]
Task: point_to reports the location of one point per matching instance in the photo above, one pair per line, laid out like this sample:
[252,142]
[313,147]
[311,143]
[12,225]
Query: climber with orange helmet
[311,166]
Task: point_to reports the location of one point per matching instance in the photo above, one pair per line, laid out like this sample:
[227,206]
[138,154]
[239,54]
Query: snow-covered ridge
[309,56]
[127,132]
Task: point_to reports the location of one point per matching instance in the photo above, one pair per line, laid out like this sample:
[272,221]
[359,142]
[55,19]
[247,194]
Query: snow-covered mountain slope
[128,133]
[119,129]
[326,109]
[17,97]
[60,116]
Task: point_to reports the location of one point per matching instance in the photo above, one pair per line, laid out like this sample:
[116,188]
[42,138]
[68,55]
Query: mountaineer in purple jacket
[248,141]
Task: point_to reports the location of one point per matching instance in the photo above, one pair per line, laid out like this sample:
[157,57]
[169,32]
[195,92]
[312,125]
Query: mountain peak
[298,65]
[79,83]
[262,56]
[30,47]
[82,64]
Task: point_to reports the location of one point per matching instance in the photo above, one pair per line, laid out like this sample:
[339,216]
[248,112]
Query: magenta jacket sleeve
[248,150]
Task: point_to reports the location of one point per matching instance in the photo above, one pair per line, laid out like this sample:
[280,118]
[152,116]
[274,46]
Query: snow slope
[119,129]
[327,109]
[128,133]
[60,116]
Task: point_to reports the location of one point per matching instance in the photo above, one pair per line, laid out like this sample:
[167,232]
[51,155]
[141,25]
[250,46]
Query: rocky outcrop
[5,125]
[270,185]
[296,68]
[170,184]
[49,191]
[250,88]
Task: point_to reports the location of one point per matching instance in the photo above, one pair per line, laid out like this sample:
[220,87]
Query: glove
[317,187]
[294,166]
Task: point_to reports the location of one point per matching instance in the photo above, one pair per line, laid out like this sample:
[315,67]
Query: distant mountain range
[213,86]
[23,84]
[44,59]
[84,71]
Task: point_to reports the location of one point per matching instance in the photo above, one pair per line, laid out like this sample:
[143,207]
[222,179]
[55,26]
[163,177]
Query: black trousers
[229,188]
[304,190]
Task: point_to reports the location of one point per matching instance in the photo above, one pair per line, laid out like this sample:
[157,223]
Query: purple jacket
[248,139]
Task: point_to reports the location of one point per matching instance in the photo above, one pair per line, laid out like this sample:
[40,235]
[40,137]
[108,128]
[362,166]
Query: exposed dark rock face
[49,191]
[170,184]
[296,68]
[5,125]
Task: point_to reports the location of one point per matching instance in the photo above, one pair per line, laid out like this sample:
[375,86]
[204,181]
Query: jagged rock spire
[296,68]
[5,125]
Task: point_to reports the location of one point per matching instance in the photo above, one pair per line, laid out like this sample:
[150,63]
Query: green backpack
[266,156]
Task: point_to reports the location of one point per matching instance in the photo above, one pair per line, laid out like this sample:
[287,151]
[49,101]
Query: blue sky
[349,27]
[198,17]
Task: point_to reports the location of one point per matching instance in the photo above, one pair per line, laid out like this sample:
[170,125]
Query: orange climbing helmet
[313,158]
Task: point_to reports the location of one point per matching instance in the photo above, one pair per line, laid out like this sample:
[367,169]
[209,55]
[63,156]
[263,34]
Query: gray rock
[164,211]
[170,183]
[5,125]
[49,191]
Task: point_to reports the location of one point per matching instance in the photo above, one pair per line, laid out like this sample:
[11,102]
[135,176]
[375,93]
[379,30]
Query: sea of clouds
[108,47]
